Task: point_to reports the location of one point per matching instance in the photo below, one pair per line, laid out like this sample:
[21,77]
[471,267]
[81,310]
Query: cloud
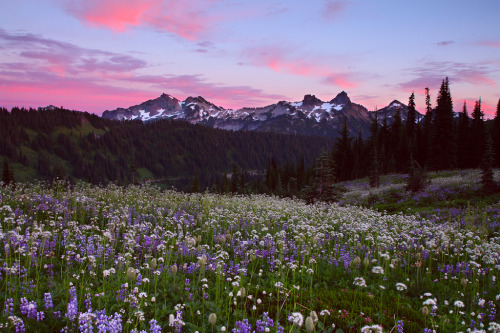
[432,73]
[63,57]
[489,43]
[332,8]
[183,86]
[44,71]
[187,19]
[285,60]
[446,43]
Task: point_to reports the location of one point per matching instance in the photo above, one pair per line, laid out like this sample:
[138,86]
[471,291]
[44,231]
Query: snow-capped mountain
[311,116]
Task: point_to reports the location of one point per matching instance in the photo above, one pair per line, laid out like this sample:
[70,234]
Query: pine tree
[425,144]
[343,154]
[411,119]
[487,181]
[477,135]
[463,140]
[443,141]
[235,178]
[496,134]
[195,186]
[6,174]
[133,170]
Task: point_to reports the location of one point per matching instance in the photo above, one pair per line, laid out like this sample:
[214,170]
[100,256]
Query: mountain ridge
[311,116]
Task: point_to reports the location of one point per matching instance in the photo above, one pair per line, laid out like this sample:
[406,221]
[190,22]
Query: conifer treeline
[439,141]
[71,145]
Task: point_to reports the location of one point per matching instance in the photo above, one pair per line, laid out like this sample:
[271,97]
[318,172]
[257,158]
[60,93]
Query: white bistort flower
[401,286]
[297,318]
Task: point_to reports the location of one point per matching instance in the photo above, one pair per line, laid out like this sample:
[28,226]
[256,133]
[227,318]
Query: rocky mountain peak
[310,100]
[341,98]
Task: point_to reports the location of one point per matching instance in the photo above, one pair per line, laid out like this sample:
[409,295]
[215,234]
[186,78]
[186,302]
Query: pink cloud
[489,43]
[332,8]
[187,19]
[50,72]
[283,60]
[431,74]
[340,80]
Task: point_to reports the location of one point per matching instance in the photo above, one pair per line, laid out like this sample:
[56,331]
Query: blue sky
[94,55]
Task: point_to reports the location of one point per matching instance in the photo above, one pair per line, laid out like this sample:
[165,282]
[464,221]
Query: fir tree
[477,135]
[235,178]
[425,144]
[195,186]
[7,174]
[496,134]
[411,119]
[443,141]
[487,181]
[463,140]
[343,154]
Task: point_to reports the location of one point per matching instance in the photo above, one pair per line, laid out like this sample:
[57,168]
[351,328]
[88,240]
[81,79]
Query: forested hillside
[49,143]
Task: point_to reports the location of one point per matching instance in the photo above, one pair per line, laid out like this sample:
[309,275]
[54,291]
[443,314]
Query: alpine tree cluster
[438,141]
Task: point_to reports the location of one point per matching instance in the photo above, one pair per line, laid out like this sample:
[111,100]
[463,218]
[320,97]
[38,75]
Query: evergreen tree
[398,145]
[463,140]
[301,176]
[7,174]
[343,154]
[477,135]
[487,181]
[411,119]
[235,178]
[425,144]
[496,134]
[195,187]
[133,170]
[443,141]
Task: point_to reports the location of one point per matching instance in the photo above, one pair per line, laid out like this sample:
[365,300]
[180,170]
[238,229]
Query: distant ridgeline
[54,142]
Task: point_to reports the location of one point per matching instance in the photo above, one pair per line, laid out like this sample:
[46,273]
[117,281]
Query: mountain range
[311,116]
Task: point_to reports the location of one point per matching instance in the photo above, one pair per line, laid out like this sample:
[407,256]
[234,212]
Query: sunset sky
[94,55]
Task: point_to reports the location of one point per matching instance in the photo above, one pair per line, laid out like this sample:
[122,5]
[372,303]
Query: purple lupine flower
[57,314]
[47,298]
[121,293]
[72,305]
[88,302]
[264,322]
[40,316]
[9,307]
[400,326]
[85,322]
[492,310]
[19,326]
[139,279]
[28,308]
[242,327]
[154,327]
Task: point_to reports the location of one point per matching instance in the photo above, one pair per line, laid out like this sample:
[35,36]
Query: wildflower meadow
[88,258]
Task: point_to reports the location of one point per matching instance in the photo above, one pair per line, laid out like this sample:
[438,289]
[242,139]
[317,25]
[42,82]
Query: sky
[96,55]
